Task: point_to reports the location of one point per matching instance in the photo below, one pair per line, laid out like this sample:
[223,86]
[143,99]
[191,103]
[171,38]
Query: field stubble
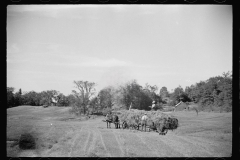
[205,135]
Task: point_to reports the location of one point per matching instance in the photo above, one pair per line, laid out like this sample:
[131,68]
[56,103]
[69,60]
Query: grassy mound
[27,141]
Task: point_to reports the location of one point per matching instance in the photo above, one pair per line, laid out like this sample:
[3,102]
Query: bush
[77,110]
[27,141]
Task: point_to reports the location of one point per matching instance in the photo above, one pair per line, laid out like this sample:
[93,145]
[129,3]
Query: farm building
[54,101]
[180,106]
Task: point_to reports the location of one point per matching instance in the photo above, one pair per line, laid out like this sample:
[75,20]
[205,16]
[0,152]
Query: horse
[133,122]
[116,121]
[109,120]
[151,125]
[173,123]
[125,124]
[162,126]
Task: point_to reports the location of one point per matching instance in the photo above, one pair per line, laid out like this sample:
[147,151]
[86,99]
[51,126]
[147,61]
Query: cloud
[97,62]
[187,80]
[54,58]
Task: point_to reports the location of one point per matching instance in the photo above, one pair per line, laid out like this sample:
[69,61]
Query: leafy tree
[85,91]
[131,92]
[151,91]
[71,99]
[62,100]
[94,104]
[18,100]
[106,97]
[216,91]
[46,97]
[10,97]
[164,92]
[140,98]
[146,100]
[176,96]
[32,98]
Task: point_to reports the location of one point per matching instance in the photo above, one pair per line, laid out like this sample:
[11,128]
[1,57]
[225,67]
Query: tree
[46,97]
[32,98]
[18,100]
[131,93]
[151,91]
[85,91]
[94,104]
[10,97]
[215,91]
[62,100]
[140,98]
[71,99]
[164,92]
[106,97]
[176,96]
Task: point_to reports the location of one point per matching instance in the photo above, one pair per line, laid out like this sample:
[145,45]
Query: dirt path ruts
[111,143]
[186,148]
[135,145]
[93,139]
[160,147]
[76,139]
[80,142]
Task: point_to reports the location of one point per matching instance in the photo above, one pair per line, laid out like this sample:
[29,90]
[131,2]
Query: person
[144,117]
[144,121]
[130,106]
[153,105]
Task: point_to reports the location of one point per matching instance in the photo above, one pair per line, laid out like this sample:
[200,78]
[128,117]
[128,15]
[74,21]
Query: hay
[153,115]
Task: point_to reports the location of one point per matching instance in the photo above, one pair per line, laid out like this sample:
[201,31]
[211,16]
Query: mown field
[205,135]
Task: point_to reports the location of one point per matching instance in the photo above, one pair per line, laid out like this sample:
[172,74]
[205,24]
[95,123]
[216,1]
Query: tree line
[214,92]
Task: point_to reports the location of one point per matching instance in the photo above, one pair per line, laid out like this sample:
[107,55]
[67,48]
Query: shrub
[75,110]
[27,141]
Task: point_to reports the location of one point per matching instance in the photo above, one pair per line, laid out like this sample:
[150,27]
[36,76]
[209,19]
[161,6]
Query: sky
[50,46]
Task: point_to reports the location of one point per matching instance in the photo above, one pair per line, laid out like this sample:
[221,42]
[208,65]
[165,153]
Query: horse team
[160,125]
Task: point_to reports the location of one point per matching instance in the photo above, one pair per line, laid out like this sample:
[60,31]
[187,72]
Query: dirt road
[92,138]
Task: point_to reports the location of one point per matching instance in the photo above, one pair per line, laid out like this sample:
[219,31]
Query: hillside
[205,135]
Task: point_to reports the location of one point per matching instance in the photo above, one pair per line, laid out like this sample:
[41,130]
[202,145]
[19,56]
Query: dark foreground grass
[27,141]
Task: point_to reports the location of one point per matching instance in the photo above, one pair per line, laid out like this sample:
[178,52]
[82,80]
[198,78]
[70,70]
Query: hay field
[205,135]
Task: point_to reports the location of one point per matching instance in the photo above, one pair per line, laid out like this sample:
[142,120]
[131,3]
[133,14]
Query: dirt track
[92,139]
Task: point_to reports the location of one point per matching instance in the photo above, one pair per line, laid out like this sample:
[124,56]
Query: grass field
[205,135]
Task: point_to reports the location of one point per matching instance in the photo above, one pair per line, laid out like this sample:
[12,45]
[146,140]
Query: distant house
[54,101]
[181,106]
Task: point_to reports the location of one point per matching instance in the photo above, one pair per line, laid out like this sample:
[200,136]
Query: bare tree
[86,91]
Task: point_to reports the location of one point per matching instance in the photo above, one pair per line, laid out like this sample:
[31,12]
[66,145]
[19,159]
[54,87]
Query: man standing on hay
[153,106]
[130,106]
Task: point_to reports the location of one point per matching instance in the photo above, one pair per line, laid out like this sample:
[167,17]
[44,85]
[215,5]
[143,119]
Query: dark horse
[116,121]
[162,126]
[173,123]
[112,119]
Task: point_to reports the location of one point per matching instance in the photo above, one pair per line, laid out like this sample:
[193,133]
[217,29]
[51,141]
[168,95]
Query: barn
[180,106]
[53,101]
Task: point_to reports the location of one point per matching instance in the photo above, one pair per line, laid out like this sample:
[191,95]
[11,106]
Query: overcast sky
[50,46]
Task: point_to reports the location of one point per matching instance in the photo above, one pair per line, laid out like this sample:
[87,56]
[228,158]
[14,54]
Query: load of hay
[155,116]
